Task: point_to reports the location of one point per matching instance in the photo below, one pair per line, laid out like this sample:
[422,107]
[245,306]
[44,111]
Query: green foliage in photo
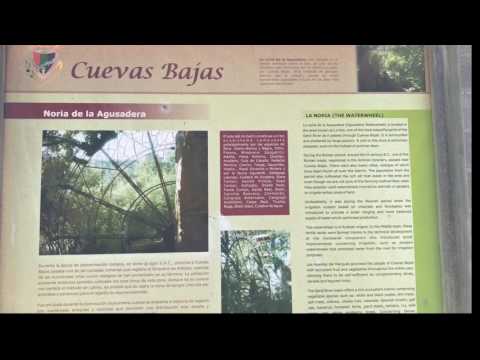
[256,274]
[391,68]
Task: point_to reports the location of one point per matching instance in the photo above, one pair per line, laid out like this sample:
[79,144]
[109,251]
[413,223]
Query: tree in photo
[256,275]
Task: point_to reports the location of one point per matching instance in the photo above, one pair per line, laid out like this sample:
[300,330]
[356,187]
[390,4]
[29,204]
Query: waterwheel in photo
[113,192]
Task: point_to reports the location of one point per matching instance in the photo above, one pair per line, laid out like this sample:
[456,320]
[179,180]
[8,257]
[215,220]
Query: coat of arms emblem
[42,61]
